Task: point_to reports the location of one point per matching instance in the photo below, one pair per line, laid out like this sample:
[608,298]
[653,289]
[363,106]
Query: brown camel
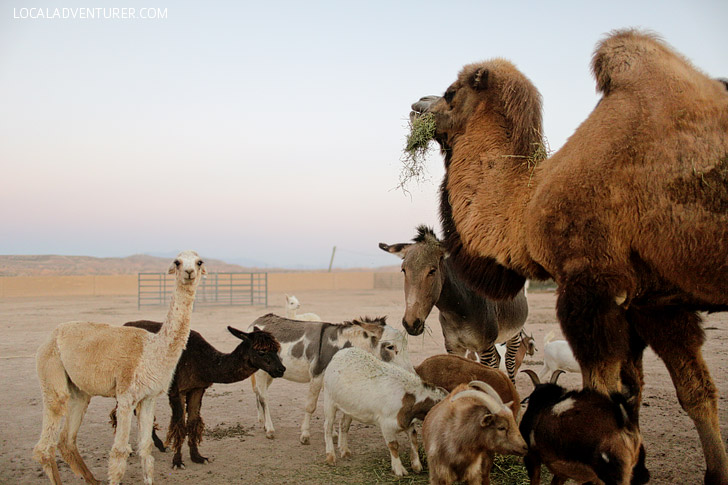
[630,217]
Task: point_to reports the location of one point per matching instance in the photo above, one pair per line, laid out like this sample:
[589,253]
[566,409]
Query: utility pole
[331,263]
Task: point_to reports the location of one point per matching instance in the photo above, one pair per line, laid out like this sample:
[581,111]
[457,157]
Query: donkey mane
[424,233]
[371,320]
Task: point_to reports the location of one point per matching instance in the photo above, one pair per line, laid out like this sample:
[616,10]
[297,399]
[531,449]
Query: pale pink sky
[269,132]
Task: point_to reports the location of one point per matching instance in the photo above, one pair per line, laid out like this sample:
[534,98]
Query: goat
[307,348]
[375,392]
[526,346]
[583,435]
[463,432]
[449,370]
[557,355]
[200,366]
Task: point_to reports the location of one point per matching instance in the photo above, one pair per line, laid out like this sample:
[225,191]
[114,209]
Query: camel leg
[77,405]
[588,313]
[177,429]
[145,423]
[120,449]
[314,389]
[54,386]
[677,339]
[195,425]
[511,350]
[262,382]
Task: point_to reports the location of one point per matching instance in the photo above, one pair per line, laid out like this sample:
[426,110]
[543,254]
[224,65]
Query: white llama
[292,305]
[84,359]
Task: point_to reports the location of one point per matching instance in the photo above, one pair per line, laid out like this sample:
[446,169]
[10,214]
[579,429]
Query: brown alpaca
[630,217]
[83,359]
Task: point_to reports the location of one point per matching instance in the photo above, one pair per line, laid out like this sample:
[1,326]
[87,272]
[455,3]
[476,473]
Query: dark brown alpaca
[630,217]
[200,366]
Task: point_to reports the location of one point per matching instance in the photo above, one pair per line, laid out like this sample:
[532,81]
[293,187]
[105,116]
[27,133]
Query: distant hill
[57,265]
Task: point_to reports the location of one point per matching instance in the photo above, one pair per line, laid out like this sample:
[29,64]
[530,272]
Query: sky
[266,133]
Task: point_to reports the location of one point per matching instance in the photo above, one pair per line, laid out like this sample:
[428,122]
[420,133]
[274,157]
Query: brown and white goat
[373,391]
[448,371]
[463,432]
[582,435]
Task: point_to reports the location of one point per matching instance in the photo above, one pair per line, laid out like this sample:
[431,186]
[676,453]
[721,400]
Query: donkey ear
[396,249]
[241,335]
[479,79]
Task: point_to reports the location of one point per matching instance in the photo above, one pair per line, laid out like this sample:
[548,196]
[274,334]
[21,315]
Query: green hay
[422,130]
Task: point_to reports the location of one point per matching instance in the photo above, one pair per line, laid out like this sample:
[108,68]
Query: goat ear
[238,333]
[479,79]
[396,249]
[487,420]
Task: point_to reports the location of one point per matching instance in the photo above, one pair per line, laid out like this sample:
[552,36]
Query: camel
[80,360]
[629,217]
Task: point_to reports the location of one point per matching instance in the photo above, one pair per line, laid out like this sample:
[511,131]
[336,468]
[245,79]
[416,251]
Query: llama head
[188,266]
[292,303]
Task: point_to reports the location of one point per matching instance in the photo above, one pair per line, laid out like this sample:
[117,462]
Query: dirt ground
[234,439]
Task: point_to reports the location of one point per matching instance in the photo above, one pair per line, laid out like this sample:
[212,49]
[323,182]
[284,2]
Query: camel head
[492,94]
[422,265]
[188,267]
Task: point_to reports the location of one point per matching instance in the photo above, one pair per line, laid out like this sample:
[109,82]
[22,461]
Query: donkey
[307,348]
[469,321]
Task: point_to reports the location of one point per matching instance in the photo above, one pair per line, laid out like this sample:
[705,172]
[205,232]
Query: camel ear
[479,80]
[396,249]
[241,335]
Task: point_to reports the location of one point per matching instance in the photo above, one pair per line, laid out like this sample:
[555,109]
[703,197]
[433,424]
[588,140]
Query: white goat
[375,392]
[292,304]
[557,355]
[307,348]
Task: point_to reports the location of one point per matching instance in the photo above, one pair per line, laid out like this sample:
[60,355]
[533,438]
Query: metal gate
[214,289]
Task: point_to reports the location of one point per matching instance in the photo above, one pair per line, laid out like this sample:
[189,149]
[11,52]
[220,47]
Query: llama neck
[172,337]
[488,195]
[290,313]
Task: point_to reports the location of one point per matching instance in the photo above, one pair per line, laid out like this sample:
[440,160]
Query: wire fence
[214,289]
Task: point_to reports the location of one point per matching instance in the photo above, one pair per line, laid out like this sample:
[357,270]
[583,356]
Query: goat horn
[493,406]
[534,377]
[555,376]
[486,388]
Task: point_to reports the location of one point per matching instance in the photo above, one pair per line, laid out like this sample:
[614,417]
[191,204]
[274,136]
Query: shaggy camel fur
[84,359]
[630,217]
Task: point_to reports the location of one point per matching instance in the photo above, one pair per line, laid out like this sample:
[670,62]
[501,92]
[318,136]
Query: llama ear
[241,335]
[396,249]
[173,267]
[479,79]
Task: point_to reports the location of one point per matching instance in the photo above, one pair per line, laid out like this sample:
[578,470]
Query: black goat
[583,435]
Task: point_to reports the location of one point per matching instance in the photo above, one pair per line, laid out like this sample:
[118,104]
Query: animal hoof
[330,459]
[199,459]
[178,466]
[305,440]
[417,467]
[345,454]
[270,435]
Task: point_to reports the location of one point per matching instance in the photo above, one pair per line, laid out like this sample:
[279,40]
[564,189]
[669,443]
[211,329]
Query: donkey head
[422,265]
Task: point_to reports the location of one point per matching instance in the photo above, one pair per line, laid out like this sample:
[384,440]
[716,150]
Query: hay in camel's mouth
[422,131]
